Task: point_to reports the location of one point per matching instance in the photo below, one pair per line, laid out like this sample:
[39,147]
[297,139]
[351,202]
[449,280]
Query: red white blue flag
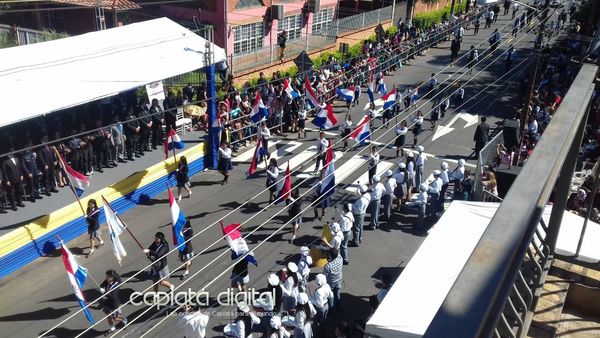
[172,141]
[346,94]
[237,243]
[362,131]
[178,221]
[327,186]
[286,190]
[389,99]
[258,154]
[77,275]
[310,94]
[325,119]
[259,110]
[287,87]
[77,180]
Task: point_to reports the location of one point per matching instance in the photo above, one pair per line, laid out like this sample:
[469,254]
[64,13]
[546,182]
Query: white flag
[115,228]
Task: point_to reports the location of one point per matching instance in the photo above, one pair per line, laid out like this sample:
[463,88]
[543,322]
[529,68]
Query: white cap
[275,322]
[423,187]
[461,162]
[273,279]
[389,173]
[409,154]
[321,279]
[437,173]
[376,179]
[302,298]
[292,267]
[402,165]
[335,227]
[363,188]
[243,307]
[420,149]
[304,251]
[444,165]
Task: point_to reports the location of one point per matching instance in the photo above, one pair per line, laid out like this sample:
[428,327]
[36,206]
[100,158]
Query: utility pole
[393,12]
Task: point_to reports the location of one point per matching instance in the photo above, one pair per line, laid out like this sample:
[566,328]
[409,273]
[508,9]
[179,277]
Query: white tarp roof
[416,296]
[45,77]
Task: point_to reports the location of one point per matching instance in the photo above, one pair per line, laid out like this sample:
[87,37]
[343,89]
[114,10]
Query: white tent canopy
[45,77]
[415,298]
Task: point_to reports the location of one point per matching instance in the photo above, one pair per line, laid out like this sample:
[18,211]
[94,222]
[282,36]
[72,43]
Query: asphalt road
[38,296]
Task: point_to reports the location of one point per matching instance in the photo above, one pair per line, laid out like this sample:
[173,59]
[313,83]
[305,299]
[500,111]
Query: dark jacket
[481,133]
[46,157]
[130,125]
[158,254]
[111,294]
[92,220]
[143,115]
[11,172]
[157,114]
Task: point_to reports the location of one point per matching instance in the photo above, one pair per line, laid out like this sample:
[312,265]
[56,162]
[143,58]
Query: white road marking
[281,152]
[306,173]
[447,129]
[247,155]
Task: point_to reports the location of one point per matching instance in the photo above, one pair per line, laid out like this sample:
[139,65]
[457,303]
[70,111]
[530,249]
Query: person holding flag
[172,142]
[92,220]
[371,88]
[294,212]
[272,174]
[326,185]
[313,100]
[111,302]
[258,153]
[239,247]
[325,119]
[115,228]
[77,276]
[362,131]
[186,255]
[322,144]
[157,252]
[346,130]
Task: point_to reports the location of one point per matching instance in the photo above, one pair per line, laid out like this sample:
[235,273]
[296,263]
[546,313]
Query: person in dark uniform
[47,162]
[145,122]
[157,252]
[74,151]
[481,135]
[132,129]
[100,144]
[93,221]
[111,301]
[87,152]
[170,105]
[13,178]
[188,251]
[2,211]
[30,172]
[158,119]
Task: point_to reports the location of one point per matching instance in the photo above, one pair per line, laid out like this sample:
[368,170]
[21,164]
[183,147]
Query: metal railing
[24,36]
[498,288]
[321,39]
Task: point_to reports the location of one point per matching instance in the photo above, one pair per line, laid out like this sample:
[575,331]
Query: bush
[428,19]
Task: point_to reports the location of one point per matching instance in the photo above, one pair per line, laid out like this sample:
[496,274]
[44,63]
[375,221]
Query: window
[245,4]
[321,20]
[293,26]
[248,38]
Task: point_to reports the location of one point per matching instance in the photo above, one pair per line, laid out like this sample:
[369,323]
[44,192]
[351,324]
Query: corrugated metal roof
[106,4]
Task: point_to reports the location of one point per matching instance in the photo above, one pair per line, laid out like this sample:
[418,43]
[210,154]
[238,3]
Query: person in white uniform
[445,180]
[420,204]
[345,219]
[377,190]
[388,196]
[434,189]
[277,330]
[359,209]
[420,165]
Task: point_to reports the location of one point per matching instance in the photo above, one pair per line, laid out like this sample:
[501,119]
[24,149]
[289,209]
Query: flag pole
[88,271]
[174,156]
[126,227]
[62,164]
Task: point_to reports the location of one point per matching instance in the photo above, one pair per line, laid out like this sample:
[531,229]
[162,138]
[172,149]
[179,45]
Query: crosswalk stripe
[382,167]
[281,152]
[349,167]
[304,156]
[306,173]
[247,155]
[329,133]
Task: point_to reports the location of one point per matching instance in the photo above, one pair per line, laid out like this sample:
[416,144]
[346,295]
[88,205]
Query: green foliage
[50,34]
[6,40]
[427,19]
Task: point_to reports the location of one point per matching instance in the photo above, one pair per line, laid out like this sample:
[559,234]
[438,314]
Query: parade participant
[458,175]
[272,174]
[225,162]
[304,263]
[183,179]
[359,209]
[473,58]
[240,276]
[388,195]
[302,121]
[242,327]
[401,131]
[336,240]
[373,161]
[346,130]
[111,301]
[345,219]
[320,200]
[434,189]
[445,180]
[494,41]
[92,219]
[418,121]
[157,252]
[303,319]
[420,204]
[294,211]
[322,144]
[278,331]
[420,166]
[290,285]
[265,134]
[30,172]
[401,181]
[186,255]
[481,135]
[410,169]
[322,299]
[377,190]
